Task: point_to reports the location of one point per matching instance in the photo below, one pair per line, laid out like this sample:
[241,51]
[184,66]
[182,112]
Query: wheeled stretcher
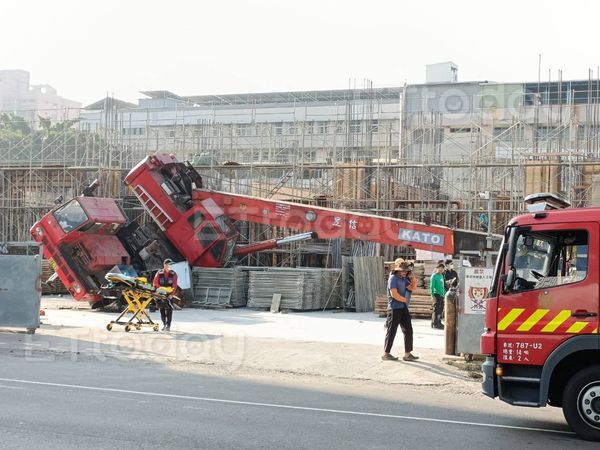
[140,297]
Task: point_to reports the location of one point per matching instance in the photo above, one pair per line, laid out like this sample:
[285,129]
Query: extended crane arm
[331,223]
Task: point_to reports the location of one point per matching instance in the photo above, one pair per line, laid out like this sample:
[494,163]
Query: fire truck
[541,336]
[88,236]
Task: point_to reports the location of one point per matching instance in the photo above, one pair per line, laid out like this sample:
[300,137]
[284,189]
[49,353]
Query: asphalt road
[63,404]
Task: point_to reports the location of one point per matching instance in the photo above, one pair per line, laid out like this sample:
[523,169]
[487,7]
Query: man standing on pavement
[398,313]
[166,278]
[438,291]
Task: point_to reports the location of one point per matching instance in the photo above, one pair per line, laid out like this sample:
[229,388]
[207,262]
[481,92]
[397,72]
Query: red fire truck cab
[541,327]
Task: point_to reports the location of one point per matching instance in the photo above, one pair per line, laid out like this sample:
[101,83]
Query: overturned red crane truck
[88,236]
[541,326]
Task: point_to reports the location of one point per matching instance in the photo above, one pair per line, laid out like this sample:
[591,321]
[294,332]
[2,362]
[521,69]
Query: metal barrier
[20,291]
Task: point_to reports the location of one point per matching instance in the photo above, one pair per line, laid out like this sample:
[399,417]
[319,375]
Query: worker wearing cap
[166,278]
[398,313]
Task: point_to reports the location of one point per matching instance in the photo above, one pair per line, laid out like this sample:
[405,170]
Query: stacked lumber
[429,267]
[381,303]
[419,274]
[420,305]
[56,287]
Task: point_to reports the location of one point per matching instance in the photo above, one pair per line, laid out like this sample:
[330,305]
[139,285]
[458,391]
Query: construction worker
[398,313]
[484,220]
[450,275]
[166,278]
[438,292]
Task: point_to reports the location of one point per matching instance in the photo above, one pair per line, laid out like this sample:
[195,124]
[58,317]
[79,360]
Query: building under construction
[457,154]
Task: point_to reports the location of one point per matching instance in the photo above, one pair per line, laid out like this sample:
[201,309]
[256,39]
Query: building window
[374,126]
[242,130]
[322,128]
[355,126]
[292,130]
[278,128]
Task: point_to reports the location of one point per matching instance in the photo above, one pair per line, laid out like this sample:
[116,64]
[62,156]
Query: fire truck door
[554,293]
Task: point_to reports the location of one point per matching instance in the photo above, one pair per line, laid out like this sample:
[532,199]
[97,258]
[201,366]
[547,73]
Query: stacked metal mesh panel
[219,288]
[301,289]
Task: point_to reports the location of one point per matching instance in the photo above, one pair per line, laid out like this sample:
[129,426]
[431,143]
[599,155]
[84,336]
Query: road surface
[62,404]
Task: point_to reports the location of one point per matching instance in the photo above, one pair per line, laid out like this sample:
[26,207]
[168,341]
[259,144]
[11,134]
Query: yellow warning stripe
[533,319]
[595,331]
[557,321]
[509,318]
[577,327]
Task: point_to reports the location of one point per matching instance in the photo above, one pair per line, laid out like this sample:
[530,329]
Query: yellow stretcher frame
[138,300]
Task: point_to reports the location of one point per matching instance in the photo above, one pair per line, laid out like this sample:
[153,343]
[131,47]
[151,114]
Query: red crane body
[195,224]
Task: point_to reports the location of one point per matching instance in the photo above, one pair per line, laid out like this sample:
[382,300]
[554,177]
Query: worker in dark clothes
[166,278]
[398,313]
[450,275]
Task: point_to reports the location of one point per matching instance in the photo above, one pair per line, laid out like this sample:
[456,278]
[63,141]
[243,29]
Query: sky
[88,50]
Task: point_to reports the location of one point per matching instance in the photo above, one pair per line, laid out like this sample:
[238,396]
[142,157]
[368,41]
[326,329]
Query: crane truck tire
[581,403]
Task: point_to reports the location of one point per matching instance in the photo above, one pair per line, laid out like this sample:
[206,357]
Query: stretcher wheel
[109,326]
[155,328]
[127,328]
[138,327]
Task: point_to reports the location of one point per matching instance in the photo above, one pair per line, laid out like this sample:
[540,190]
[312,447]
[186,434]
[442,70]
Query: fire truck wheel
[581,403]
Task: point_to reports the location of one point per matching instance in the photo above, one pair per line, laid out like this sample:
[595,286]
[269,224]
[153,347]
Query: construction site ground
[327,346]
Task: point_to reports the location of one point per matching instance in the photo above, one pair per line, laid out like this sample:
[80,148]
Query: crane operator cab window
[546,259]
[70,216]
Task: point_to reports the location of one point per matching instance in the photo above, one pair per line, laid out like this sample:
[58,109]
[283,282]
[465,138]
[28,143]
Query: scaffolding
[377,150]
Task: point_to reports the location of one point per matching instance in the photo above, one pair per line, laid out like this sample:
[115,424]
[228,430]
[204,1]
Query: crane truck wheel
[581,403]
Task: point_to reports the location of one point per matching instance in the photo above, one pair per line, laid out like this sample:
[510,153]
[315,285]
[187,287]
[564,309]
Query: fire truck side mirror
[508,280]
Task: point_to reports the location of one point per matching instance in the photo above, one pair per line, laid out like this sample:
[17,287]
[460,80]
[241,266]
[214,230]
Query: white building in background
[30,101]
[445,72]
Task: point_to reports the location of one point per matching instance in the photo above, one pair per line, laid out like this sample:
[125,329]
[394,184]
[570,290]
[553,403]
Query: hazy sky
[88,49]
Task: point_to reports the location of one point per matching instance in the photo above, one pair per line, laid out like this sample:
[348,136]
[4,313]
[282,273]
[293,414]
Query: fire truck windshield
[550,258]
[70,216]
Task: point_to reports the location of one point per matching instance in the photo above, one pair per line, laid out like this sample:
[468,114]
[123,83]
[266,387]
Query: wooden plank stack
[429,267]
[420,304]
[419,273]
[56,287]
[381,302]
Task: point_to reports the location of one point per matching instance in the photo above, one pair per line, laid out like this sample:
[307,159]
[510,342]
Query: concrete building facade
[30,101]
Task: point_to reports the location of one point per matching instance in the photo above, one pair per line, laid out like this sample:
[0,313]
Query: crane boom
[331,223]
